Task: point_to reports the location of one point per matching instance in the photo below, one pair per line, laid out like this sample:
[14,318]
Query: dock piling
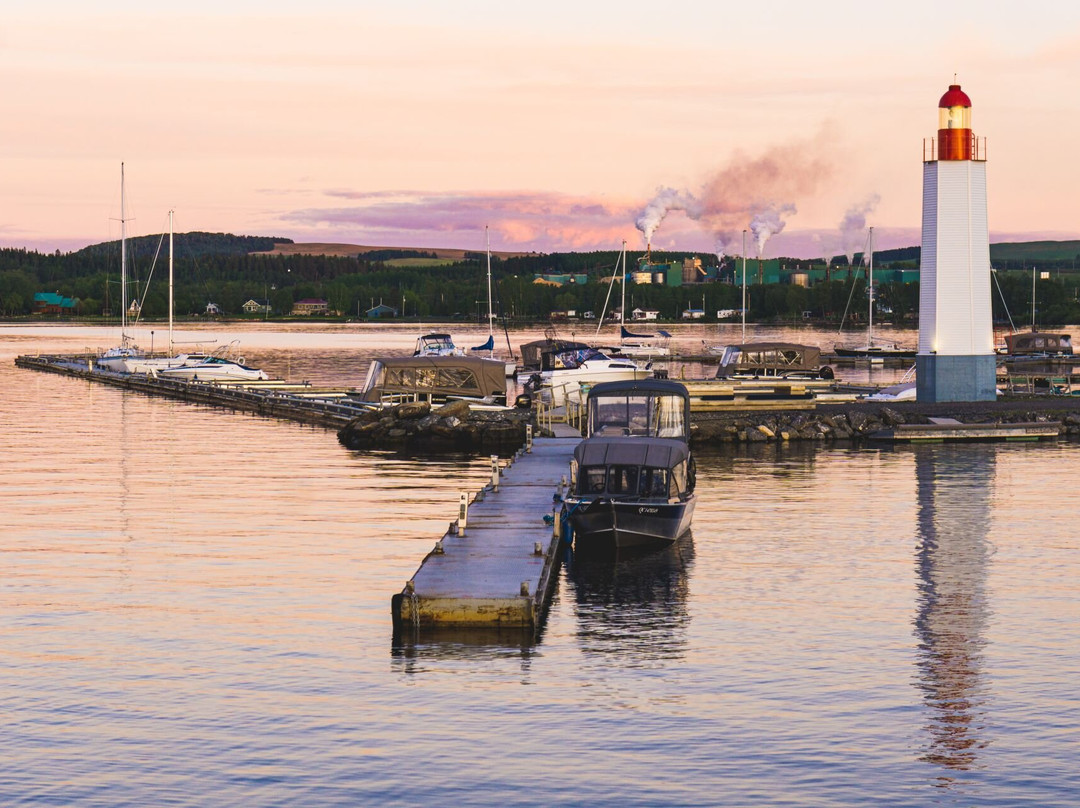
[495,473]
[463,513]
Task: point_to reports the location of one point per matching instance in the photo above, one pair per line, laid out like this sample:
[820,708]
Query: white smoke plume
[767,223]
[853,226]
[750,186]
[665,201]
[827,245]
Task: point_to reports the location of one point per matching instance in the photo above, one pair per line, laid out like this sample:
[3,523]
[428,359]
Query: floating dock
[497,565]
[949,429]
[330,407]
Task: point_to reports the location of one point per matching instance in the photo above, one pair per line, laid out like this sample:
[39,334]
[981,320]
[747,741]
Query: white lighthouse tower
[956,338]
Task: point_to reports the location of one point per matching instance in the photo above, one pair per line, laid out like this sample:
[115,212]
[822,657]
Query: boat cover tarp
[627,334]
[531,352]
[786,355]
[438,375]
[662,453]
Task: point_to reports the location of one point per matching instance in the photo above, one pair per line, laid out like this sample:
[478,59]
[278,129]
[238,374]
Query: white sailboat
[872,350]
[510,365]
[115,359]
[218,366]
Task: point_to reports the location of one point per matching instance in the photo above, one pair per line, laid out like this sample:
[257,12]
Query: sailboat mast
[870,292]
[607,299]
[622,306]
[491,314]
[744,286]
[171,352]
[123,263]
[1033,299]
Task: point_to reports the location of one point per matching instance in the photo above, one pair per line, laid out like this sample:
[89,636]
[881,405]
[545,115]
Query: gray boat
[632,478]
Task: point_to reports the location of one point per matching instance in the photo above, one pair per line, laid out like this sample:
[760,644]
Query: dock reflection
[411,647]
[954,488]
[634,605]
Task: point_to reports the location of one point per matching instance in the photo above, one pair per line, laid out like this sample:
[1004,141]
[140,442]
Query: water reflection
[634,605]
[954,486]
[411,647]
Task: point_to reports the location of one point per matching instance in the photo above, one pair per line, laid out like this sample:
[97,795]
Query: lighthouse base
[955,378]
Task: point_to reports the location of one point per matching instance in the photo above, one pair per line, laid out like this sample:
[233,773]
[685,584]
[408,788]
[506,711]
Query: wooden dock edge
[937,433]
[411,610]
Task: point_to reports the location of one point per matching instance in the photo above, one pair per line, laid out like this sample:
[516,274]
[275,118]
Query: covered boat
[773,360]
[532,353]
[632,478]
[1038,343]
[436,379]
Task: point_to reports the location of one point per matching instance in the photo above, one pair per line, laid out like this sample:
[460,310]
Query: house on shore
[309,306]
[54,303]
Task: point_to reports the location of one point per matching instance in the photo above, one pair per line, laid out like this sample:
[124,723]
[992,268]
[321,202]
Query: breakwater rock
[454,427]
[861,420]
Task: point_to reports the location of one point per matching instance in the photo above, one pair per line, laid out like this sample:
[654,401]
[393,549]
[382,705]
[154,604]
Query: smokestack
[648,253]
[760,271]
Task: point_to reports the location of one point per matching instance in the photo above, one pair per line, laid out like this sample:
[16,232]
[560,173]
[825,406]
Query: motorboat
[875,350]
[435,379]
[772,360]
[436,344]
[564,373]
[633,477]
[214,369]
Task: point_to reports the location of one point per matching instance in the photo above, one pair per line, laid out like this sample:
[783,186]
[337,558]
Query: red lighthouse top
[955,97]
[955,140]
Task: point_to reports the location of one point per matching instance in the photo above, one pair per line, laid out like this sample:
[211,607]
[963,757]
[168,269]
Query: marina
[269,629]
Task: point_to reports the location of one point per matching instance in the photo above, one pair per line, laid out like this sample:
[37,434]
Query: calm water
[194,610]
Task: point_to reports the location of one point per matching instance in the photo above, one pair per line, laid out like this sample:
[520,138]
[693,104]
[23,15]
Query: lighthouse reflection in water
[954,486]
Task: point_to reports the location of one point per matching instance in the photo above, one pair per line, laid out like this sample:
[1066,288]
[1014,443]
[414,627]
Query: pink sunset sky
[418,123]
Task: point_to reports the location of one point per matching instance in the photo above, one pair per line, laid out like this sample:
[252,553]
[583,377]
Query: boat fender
[826,372]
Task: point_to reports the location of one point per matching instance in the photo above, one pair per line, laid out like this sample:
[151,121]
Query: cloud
[524,220]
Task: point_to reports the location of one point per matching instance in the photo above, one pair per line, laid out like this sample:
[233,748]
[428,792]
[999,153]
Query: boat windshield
[643,414]
[628,481]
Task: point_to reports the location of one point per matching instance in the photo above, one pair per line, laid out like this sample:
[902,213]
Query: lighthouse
[956,340]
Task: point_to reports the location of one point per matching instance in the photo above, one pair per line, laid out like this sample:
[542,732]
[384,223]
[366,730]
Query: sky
[555,124]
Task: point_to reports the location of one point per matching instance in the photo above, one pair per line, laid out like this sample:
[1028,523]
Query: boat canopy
[1038,342]
[532,353]
[435,344]
[441,376]
[654,408]
[626,333]
[642,467]
[662,453]
[773,357]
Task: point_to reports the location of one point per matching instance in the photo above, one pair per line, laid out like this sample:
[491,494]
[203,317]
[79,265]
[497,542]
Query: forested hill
[188,245]
[1006,255]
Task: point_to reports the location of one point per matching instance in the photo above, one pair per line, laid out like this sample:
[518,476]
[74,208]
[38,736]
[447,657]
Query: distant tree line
[232,276]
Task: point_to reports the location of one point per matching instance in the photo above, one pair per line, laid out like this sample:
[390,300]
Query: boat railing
[573,409]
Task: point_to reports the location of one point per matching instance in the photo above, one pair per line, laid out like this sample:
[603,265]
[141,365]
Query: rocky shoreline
[454,427]
[856,421]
